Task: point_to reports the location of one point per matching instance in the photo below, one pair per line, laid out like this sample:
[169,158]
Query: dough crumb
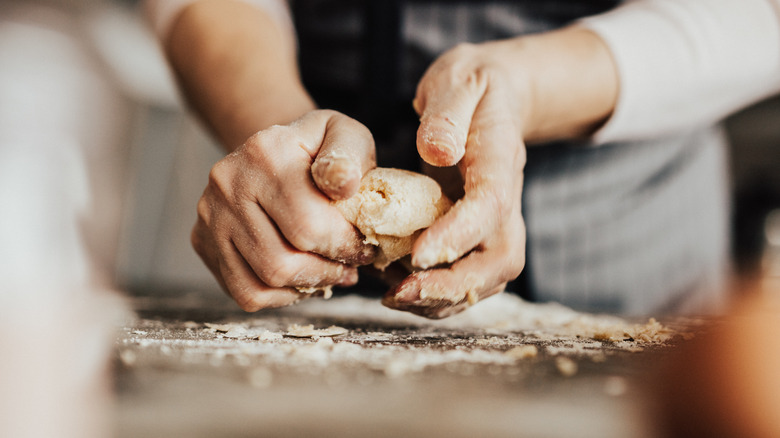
[308,331]
[269,336]
[523,352]
[327,291]
[236,332]
[223,328]
[651,332]
[566,366]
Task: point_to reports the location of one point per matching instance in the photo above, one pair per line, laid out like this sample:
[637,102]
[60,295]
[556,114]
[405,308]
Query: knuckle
[498,202]
[203,209]
[260,149]
[328,114]
[270,135]
[513,255]
[355,127]
[361,131]
[248,301]
[197,241]
[462,50]
[304,235]
[473,78]
[278,273]
[516,265]
[221,177]
[465,65]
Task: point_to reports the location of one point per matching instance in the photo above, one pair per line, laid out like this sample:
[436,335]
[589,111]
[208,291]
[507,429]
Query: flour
[358,336]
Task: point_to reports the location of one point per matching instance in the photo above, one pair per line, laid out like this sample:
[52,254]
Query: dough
[308,331]
[392,207]
[327,291]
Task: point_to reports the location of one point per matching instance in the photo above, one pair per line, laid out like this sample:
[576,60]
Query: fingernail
[445,149]
[336,174]
[407,294]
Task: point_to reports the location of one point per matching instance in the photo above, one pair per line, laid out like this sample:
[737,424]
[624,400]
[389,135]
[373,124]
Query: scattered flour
[500,334]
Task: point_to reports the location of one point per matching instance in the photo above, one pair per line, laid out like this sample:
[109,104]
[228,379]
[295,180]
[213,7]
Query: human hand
[265,223]
[470,117]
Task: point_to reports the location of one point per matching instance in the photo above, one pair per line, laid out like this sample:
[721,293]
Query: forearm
[572,84]
[236,67]
[563,84]
[648,68]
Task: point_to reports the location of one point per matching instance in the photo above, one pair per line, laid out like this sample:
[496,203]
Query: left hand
[471,109]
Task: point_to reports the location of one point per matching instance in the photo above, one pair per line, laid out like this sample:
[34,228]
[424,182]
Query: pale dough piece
[566,366]
[522,352]
[392,207]
[327,291]
[308,331]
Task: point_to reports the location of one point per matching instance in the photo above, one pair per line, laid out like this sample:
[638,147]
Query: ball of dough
[391,208]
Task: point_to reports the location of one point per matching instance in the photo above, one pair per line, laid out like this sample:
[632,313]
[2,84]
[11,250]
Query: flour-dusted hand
[265,221]
[266,224]
[478,104]
[468,119]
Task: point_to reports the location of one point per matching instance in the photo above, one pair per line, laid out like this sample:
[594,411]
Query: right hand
[265,222]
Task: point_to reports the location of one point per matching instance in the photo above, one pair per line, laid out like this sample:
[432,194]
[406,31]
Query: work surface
[198,367]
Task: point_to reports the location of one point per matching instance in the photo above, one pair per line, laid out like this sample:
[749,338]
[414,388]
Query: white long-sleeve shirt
[681,63]
[685,63]
[639,224]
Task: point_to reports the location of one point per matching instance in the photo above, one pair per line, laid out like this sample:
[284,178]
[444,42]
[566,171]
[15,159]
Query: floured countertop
[344,366]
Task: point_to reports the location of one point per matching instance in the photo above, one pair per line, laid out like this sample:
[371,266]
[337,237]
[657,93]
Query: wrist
[237,68]
[508,61]
[260,110]
[565,81]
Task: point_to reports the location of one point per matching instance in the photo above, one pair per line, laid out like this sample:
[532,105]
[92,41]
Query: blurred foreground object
[771,257]
[727,383]
[61,167]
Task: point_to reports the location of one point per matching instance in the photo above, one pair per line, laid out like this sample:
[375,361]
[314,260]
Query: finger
[475,277]
[456,233]
[438,309]
[347,152]
[311,224]
[234,276]
[493,175]
[276,263]
[245,287]
[276,175]
[212,226]
[204,246]
[442,312]
[446,100]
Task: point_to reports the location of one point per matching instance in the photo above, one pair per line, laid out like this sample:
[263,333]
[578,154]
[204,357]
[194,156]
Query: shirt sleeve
[162,13]
[686,63]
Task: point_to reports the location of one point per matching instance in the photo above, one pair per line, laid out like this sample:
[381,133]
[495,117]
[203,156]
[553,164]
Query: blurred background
[101,169]
[101,88]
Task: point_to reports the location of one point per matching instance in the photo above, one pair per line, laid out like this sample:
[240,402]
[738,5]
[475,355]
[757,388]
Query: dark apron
[632,227]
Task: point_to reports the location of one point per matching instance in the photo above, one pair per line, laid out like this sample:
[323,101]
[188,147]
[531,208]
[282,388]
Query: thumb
[346,153]
[446,105]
